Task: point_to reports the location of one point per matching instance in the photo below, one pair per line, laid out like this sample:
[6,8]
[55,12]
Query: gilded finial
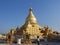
[30,6]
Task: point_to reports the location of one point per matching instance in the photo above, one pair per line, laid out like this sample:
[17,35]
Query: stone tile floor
[42,43]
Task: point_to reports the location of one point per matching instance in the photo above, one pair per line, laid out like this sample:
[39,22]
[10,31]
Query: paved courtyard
[42,43]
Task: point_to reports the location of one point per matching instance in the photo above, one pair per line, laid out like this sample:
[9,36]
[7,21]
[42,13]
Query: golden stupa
[30,30]
[30,27]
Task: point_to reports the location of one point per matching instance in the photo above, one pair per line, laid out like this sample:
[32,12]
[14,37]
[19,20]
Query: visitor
[38,40]
[19,41]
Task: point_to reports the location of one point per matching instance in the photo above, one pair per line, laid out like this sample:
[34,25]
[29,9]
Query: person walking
[19,41]
[38,40]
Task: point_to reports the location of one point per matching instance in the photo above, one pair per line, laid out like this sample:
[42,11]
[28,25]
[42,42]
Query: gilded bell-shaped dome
[31,18]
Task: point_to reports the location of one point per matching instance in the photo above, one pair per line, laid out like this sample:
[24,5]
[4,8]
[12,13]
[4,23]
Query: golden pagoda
[30,27]
[10,36]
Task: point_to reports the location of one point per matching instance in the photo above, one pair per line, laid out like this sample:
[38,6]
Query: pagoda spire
[31,18]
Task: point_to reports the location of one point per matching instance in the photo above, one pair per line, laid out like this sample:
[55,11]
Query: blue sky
[14,12]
